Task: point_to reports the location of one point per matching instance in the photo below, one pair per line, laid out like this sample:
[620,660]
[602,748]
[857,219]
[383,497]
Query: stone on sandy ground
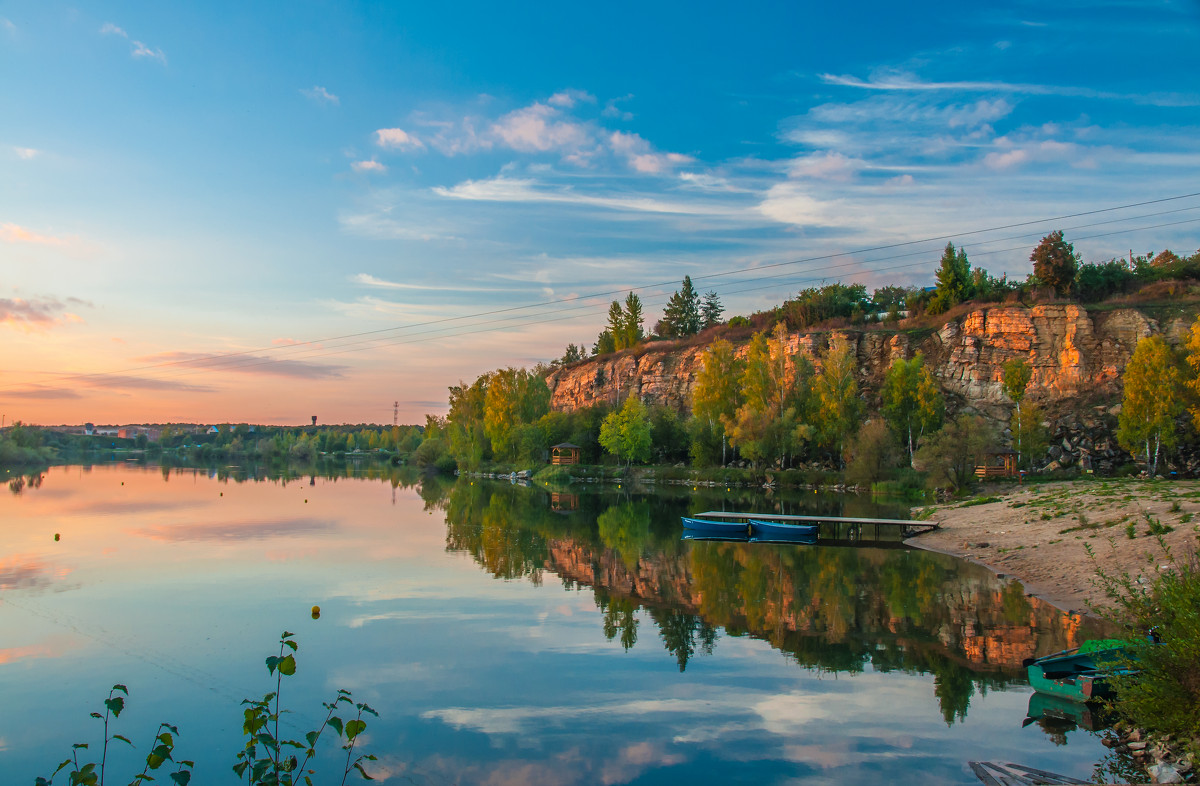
[1163,773]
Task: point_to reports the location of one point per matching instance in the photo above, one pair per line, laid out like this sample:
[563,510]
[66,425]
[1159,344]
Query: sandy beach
[1040,533]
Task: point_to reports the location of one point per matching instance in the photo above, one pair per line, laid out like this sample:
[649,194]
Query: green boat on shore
[1081,674]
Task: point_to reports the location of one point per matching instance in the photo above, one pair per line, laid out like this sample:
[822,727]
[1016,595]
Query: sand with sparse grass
[1041,533]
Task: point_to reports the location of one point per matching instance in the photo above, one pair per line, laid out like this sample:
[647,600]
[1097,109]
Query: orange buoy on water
[56,536]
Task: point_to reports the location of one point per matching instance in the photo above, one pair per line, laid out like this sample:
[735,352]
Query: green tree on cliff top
[1055,262]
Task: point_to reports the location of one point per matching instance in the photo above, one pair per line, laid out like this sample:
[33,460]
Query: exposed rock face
[1074,353]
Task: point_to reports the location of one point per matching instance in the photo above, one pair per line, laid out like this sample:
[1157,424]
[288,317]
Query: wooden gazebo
[564,453]
[997,464]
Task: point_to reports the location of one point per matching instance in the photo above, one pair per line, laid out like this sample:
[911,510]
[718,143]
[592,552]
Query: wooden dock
[839,528]
[1008,774]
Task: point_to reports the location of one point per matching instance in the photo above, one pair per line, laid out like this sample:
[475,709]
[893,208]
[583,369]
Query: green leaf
[97,715]
[272,662]
[358,766]
[122,739]
[287,666]
[80,746]
[121,688]
[115,705]
[292,644]
[188,763]
[240,768]
[182,777]
[312,738]
[336,723]
[173,729]
[287,634]
[165,739]
[365,708]
[354,728]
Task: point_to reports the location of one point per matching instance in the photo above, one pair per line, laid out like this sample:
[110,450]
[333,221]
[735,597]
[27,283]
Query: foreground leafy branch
[266,759]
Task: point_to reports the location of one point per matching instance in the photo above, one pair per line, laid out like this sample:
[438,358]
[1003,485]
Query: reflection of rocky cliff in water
[828,608]
[868,597]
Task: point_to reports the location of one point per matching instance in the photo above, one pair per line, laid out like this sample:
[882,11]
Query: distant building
[89,429]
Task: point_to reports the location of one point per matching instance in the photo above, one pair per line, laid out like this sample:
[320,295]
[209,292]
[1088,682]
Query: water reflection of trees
[826,608]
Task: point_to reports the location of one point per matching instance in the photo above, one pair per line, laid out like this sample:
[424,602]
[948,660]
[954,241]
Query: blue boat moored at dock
[714,527]
[790,533]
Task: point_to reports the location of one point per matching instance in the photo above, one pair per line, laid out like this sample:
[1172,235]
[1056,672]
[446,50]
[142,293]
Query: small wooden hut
[564,453]
[997,464]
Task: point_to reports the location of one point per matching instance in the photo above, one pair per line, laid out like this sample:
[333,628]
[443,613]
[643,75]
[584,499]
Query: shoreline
[1039,534]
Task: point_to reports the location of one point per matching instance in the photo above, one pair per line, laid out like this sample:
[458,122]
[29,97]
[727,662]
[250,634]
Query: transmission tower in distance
[396,413]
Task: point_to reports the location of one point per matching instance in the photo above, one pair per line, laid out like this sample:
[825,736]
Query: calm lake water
[507,635]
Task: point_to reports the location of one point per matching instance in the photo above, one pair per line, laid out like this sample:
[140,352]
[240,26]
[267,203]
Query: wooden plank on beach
[1008,774]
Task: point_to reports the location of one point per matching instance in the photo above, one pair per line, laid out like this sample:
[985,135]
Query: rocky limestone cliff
[1075,354]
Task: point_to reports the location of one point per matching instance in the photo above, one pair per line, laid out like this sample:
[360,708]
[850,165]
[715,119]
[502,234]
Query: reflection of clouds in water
[28,573]
[636,758]
[234,530]
[410,616]
[53,647]
[565,768]
[515,720]
[825,727]
[126,506]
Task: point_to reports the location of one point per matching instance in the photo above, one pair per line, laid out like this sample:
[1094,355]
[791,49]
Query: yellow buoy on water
[316,612]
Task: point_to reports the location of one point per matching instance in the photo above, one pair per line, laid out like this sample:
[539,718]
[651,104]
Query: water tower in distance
[314,417]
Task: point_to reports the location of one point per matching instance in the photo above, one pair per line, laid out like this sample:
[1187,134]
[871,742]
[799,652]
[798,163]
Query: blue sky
[182,180]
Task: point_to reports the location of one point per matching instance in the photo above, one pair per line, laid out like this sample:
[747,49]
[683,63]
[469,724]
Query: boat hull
[1079,675]
[791,533]
[711,527]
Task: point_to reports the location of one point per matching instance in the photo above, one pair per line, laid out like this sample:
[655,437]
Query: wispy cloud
[381,224]
[612,108]
[132,382]
[548,127]
[371,281]
[13,233]
[637,152]
[40,393]
[137,48]
[249,364]
[569,98]
[370,165]
[541,128]
[398,139]
[26,153]
[8,26]
[36,314]
[507,189]
[320,95]
[892,81]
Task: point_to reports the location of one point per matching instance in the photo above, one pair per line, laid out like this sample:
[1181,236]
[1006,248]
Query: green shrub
[1163,693]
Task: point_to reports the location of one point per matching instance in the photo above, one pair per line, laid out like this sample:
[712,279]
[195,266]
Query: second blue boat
[773,530]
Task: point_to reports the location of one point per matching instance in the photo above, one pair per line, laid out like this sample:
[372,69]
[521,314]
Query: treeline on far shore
[24,446]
